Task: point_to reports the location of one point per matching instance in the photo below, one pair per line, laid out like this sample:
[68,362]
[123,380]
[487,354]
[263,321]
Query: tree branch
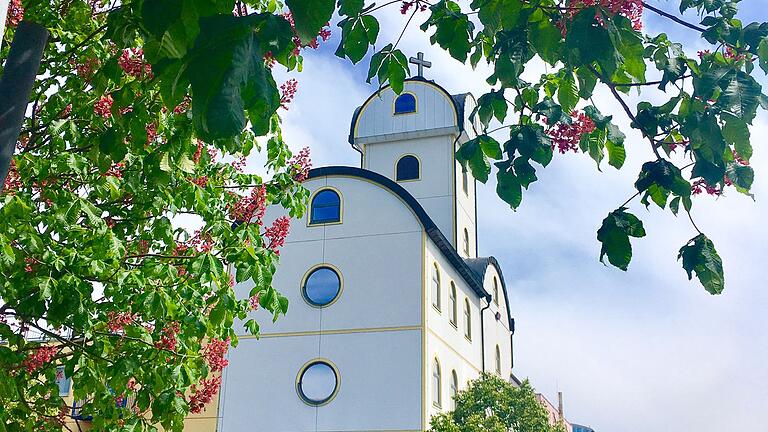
[674,18]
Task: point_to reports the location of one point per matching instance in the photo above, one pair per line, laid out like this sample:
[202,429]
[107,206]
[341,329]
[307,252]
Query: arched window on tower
[498,360]
[405,103]
[437,399]
[495,291]
[465,181]
[436,287]
[407,168]
[325,207]
[466,242]
[454,305]
[467,320]
[454,388]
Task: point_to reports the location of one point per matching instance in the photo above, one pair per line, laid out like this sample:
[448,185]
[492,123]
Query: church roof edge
[479,266]
[429,225]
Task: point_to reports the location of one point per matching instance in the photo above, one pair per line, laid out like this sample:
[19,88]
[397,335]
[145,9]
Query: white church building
[391,309]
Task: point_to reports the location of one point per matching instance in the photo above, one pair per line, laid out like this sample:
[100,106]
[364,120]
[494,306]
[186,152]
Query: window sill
[437,309]
[453,324]
[469,339]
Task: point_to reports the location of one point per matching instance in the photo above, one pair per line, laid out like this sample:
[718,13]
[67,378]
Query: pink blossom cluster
[12,180]
[201,181]
[250,208]
[198,152]
[103,107]
[269,60]
[700,186]
[239,164]
[116,170]
[87,68]
[277,233]
[324,34]
[253,301]
[39,358]
[183,106]
[29,262]
[288,92]
[15,13]
[116,321]
[420,5]
[300,165]
[214,353]
[566,137]
[151,132]
[168,339]
[199,242]
[132,62]
[203,394]
[631,9]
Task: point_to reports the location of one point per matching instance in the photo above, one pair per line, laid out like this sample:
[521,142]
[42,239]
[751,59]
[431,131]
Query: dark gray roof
[479,267]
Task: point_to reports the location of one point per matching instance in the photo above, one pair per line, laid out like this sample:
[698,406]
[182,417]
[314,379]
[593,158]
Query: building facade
[391,309]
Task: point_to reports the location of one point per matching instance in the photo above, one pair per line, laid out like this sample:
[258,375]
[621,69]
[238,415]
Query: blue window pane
[322,286]
[318,383]
[405,103]
[326,207]
[407,168]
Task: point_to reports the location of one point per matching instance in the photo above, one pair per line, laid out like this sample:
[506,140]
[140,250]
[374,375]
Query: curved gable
[430,228]
[437,112]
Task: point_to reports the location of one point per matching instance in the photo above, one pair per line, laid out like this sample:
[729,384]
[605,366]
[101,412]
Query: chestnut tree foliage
[143,110]
[492,404]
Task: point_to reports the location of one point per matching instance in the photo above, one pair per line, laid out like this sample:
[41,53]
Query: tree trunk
[16,84]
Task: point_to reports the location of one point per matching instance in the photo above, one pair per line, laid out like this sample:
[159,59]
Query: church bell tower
[412,139]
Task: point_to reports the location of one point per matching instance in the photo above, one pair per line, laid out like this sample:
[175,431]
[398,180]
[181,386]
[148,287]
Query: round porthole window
[318,383]
[322,286]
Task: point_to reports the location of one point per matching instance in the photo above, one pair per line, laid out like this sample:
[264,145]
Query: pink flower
[15,13]
[300,165]
[39,358]
[103,106]
[566,137]
[12,180]
[277,233]
[133,64]
[250,208]
[118,320]
[288,92]
[167,339]
[214,353]
[203,395]
[253,302]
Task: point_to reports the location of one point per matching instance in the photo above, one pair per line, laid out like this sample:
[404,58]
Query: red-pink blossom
[239,164]
[39,357]
[133,64]
[12,180]
[253,301]
[116,321]
[116,170]
[300,164]
[277,233]
[167,339]
[103,107]
[214,353]
[288,92]
[15,13]
[203,393]
[183,106]
[201,181]
[566,136]
[250,208]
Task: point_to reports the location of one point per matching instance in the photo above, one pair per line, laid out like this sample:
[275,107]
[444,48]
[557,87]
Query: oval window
[322,286]
[318,383]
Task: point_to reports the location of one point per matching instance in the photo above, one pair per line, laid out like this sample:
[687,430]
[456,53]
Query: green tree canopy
[491,404]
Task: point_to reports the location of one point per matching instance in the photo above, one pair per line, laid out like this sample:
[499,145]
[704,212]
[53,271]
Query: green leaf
[508,186]
[546,40]
[356,35]
[228,76]
[389,65]
[660,178]
[453,29]
[489,105]
[567,94]
[742,177]
[699,255]
[736,133]
[614,235]
[475,152]
[615,146]
[310,16]
[762,52]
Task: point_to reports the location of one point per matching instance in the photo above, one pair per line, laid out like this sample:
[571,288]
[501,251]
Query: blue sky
[635,351]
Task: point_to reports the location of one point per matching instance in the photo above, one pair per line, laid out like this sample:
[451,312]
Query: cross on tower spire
[421,63]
